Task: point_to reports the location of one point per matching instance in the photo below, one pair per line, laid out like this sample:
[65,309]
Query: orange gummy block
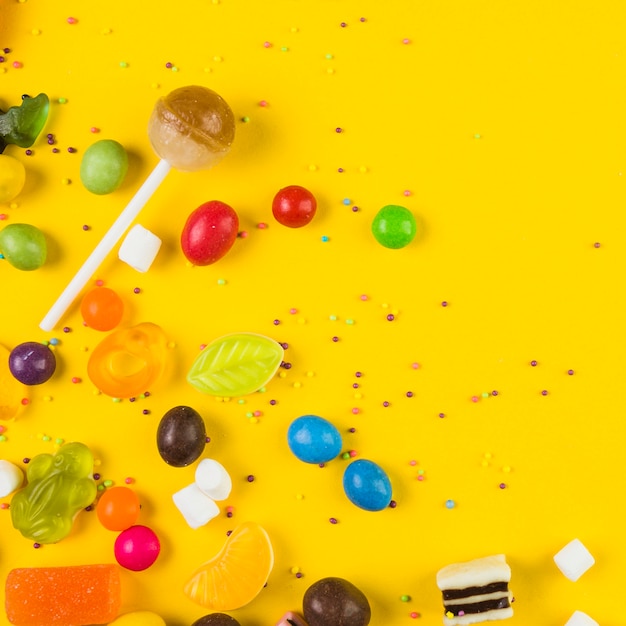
[64,596]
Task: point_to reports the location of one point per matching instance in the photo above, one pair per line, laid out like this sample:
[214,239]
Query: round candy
[294,206]
[313,439]
[367,485]
[181,436]
[216,619]
[102,309]
[137,548]
[103,166]
[12,177]
[32,363]
[209,233]
[192,128]
[394,226]
[23,246]
[139,618]
[335,602]
[118,508]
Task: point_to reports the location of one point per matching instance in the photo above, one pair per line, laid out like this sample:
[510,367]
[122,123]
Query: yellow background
[504,124]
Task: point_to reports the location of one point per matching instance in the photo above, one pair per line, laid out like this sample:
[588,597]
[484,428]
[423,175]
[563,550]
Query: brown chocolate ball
[216,619]
[335,602]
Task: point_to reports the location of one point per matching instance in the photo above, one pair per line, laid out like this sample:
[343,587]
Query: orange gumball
[118,508]
[102,308]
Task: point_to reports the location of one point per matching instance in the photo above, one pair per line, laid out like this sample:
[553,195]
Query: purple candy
[32,363]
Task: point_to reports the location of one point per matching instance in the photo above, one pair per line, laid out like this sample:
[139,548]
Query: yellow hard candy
[139,618]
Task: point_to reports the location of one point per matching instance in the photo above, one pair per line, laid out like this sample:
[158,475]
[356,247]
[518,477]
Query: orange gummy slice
[64,596]
[236,575]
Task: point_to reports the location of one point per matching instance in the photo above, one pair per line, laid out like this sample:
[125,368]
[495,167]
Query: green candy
[59,486]
[23,246]
[236,365]
[21,125]
[104,166]
[394,226]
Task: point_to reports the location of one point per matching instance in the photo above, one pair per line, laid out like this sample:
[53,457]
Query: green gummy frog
[59,486]
[21,125]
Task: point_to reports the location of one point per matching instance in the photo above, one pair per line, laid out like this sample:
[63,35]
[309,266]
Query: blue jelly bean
[367,485]
[313,439]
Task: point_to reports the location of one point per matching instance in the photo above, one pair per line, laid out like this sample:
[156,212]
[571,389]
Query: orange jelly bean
[59,596]
[102,308]
[127,362]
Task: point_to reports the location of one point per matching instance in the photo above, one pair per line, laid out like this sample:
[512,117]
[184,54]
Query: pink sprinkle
[293,311]
[407,192]
[414,614]
[267,44]
[257,413]
[24,401]
[261,225]
[420,478]
[474,398]
[364,297]
[202,346]
[4,505]
[3,216]
[415,366]
[99,282]
[129,480]
[412,462]
[94,129]
[76,380]
[2,429]
[353,453]
[72,20]
[406,41]
[262,103]
[355,411]
[17,64]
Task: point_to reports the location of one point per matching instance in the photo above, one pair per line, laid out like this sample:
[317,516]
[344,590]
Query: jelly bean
[209,233]
[21,125]
[118,508]
[137,548]
[102,309]
[332,601]
[32,363]
[139,618]
[59,486]
[367,485]
[12,177]
[192,128]
[23,246]
[103,166]
[12,391]
[394,226]
[236,365]
[128,362]
[181,436]
[216,619]
[294,206]
[313,439]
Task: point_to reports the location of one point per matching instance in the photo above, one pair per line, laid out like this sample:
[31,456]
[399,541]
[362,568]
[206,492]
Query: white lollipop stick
[105,246]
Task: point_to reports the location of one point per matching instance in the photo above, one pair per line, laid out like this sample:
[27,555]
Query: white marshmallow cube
[574,560]
[11,478]
[196,507]
[139,248]
[579,618]
[213,479]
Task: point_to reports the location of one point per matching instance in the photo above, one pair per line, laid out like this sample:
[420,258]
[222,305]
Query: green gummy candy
[236,365]
[59,486]
[394,226]
[21,125]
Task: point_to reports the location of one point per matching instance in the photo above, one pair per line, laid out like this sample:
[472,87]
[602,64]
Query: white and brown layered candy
[476,591]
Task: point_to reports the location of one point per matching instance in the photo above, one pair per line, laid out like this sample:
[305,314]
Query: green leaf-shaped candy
[236,365]
[22,124]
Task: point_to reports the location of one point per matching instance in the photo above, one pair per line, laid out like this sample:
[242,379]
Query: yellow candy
[12,177]
[139,618]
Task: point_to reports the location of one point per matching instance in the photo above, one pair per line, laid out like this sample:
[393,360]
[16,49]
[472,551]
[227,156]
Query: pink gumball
[137,548]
